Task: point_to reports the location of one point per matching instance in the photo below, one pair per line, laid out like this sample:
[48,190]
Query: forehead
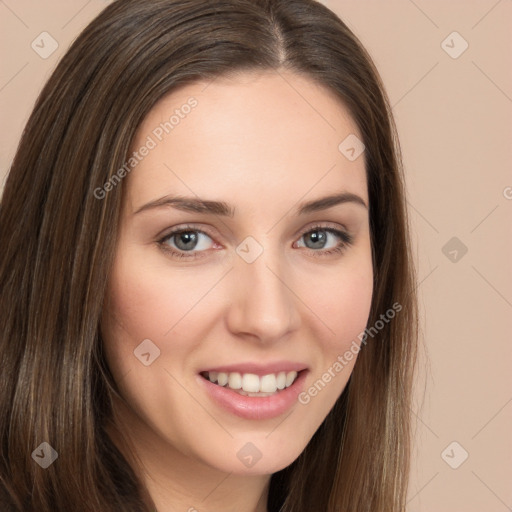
[250,137]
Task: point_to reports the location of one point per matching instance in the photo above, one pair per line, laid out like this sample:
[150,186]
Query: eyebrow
[198,205]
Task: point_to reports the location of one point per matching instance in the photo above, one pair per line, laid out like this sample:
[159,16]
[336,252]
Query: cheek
[343,302]
[348,307]
[343,306]
[148,301]
[144,303]
[138,307]
[145,300]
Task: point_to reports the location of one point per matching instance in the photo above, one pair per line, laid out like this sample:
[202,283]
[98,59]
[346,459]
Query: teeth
[235,381]
[268,383]
[281,380]
[290,377]
[249,384]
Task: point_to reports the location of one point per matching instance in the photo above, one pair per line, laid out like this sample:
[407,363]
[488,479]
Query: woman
[178,333]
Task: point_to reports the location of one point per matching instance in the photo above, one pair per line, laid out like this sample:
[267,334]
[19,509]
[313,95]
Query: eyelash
[346,241]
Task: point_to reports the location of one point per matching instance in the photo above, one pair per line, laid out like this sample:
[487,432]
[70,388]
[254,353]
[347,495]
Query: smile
[254,392]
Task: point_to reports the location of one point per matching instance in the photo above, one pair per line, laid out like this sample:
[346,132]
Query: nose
[264,306]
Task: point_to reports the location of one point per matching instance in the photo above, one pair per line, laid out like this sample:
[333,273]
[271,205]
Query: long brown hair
[58,241]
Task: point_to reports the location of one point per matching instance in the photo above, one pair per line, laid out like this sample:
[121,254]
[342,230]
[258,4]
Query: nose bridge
[263,304]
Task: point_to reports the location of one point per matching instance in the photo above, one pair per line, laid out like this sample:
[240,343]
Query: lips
[259,391]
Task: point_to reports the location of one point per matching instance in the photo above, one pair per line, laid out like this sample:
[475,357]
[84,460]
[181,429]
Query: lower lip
[253,407]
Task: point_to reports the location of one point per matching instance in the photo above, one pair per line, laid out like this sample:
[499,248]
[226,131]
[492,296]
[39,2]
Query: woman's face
[262,282]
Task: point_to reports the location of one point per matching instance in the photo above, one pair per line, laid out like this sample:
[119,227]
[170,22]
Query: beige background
[454,116]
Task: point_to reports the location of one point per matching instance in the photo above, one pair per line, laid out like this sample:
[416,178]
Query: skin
[262,142]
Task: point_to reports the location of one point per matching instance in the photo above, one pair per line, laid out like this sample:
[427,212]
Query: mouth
[254,391]
[252,384]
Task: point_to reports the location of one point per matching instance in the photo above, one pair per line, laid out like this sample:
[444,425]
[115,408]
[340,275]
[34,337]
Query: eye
[186,240]
[324,241]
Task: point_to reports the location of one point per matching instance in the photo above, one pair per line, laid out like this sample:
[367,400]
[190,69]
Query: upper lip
[259,368]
